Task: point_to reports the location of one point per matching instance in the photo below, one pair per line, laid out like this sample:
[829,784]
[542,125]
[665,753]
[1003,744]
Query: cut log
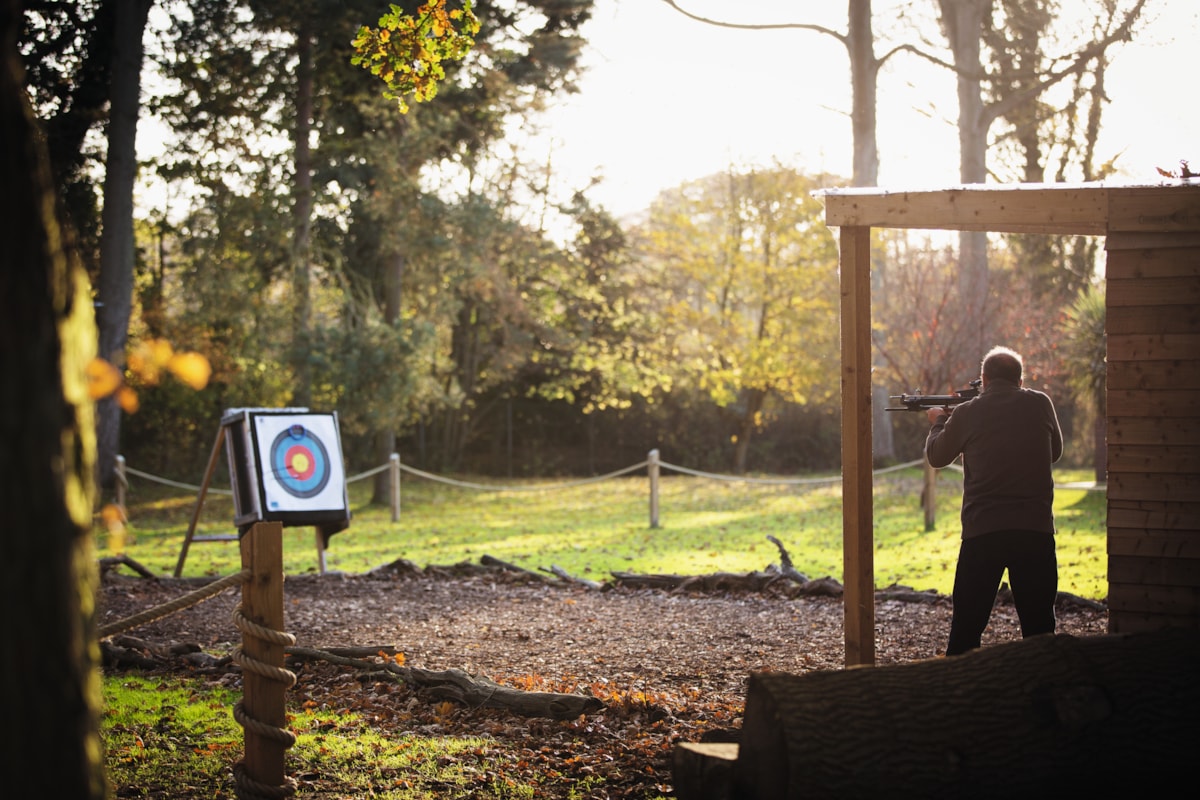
[1051,715]
[704,769]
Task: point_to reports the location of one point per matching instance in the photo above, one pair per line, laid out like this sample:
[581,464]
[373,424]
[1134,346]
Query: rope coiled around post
[248,788]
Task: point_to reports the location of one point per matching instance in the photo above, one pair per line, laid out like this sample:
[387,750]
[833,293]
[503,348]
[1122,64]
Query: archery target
[301,462]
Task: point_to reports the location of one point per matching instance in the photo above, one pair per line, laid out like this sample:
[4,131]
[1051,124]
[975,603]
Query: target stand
[285,465]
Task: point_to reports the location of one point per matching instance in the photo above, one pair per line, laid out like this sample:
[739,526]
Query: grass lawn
[593,529]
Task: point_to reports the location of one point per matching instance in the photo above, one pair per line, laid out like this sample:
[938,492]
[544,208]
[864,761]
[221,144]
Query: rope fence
[652,464]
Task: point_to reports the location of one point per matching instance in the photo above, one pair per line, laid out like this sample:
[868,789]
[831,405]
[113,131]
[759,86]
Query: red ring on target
[300,462]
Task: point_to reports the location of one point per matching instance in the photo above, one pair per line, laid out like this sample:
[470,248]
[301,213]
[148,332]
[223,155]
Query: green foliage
[407,52]
[1085,348]
[595,529]
[745,275]
[427,304]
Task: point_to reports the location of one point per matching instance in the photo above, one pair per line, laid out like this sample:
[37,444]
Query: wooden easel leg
[212,466]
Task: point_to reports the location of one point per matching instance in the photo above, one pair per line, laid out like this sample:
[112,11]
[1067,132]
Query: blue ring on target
[299,462]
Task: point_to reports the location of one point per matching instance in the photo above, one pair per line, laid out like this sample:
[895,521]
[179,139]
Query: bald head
[1003,363]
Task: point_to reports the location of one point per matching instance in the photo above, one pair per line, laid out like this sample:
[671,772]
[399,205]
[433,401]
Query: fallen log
[712,582]
[554,569]
[495,563]
[1051,715]
[109,563]
[469,690]
[908,594]
[785,562]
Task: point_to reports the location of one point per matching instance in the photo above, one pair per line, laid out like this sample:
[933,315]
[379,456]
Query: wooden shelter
[1152,242]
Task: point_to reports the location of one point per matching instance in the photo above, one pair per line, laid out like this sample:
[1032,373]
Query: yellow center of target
[299,464]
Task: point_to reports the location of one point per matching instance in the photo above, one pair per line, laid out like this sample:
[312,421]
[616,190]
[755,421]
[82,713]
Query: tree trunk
[864,80]
[49,682]
[385,440]
[302,219]
[963,21]
[115,288]
[864,84]
[741,449]
[1047,716]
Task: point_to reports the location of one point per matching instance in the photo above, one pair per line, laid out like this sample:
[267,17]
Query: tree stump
[1049,715]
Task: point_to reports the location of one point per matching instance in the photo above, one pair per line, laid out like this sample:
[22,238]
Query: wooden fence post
[122,483]
[394,468]
[652,469]
[264,679]
[929,497]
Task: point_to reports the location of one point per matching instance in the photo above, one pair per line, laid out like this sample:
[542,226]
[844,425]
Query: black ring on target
[299,462]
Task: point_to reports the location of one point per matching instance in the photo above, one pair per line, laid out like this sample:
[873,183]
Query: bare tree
[859,40]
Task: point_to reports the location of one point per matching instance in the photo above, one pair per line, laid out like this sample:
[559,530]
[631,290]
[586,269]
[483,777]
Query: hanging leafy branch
[406,52]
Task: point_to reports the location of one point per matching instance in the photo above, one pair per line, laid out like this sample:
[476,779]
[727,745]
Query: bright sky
[666,99]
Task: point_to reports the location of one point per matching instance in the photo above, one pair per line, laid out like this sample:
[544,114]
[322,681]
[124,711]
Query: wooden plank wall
[1153,292]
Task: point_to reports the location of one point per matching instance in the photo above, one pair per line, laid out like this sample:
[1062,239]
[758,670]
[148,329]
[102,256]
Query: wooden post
[652,469]
[858,540]
[394,468]
[929,497]
[122,485]
[264,697]
[320,550]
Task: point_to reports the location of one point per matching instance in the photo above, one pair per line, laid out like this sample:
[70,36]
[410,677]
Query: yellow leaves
[147,361]
[127,399]
[112,517]
[191,368]
[398,658]
[150,358]
[102,378]
[407,52]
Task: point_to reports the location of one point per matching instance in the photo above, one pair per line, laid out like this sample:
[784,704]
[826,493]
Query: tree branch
[746,26]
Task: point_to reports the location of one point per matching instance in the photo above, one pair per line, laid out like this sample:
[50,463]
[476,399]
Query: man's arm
[940,447]
[1056,437]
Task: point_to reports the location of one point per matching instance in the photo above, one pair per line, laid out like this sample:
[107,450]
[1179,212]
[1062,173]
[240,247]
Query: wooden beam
[1149,459]
[1173,208]
[1153,431]
[1094,209]
[1147,515]
[1025,208]
[857,504]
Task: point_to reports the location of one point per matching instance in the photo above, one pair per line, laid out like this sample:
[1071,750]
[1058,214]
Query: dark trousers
[1032,573]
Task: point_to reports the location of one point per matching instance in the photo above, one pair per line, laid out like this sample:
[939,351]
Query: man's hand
[935,413]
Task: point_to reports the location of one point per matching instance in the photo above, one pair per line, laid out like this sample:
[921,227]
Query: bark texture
[1051,715]
[49,684]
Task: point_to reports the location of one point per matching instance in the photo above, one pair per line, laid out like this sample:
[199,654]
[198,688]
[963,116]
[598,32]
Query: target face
[301,462]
